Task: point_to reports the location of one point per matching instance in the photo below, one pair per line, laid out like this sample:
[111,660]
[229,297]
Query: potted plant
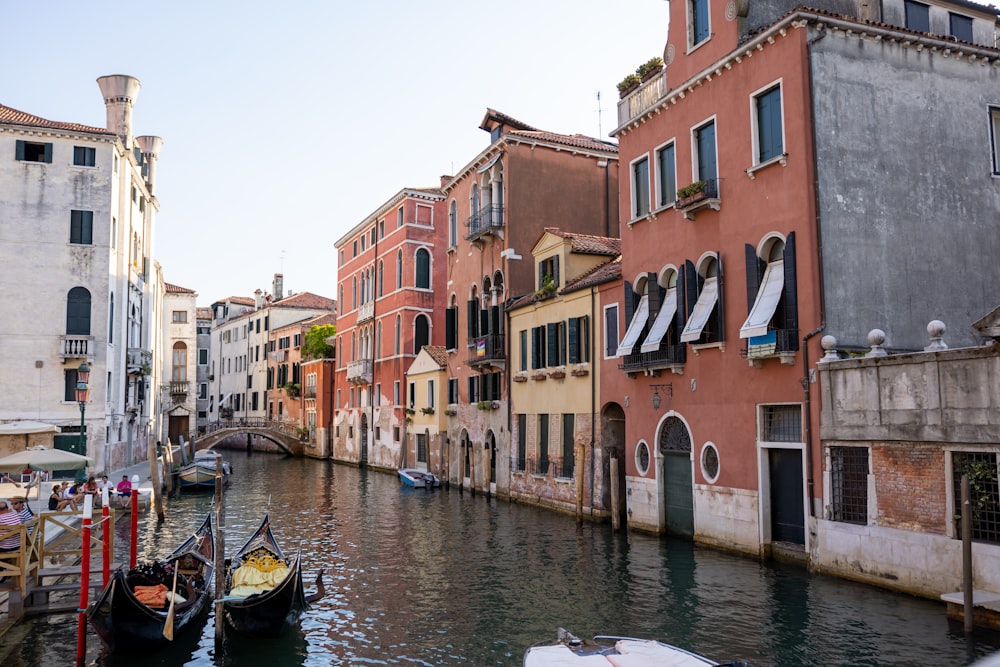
[410,411]
[451,412]
[494,405]
[557,374]
[540,375]
[547,287]
[689,194]
[628,84]
[649,69]
[427,410]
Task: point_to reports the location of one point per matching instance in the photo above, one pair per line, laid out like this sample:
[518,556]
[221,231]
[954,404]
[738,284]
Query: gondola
[264,593]
[135,611]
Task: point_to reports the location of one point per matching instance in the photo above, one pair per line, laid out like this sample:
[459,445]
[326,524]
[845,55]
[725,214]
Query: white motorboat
[200,473]
[418,479]
[568,650]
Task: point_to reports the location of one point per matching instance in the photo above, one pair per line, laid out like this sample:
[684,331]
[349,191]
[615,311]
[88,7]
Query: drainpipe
[593,392]
[607,199]
[371,390]
[807,393]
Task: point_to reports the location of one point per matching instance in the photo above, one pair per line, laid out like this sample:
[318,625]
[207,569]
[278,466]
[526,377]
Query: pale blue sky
[285,124]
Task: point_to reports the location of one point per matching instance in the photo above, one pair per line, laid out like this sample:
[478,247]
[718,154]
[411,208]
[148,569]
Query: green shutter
[19,150]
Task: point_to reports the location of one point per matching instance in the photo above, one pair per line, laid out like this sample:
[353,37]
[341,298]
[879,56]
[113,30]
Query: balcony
[668,357]
[360,372]
[487,349]
[705,197]
[309,391]
[76,347]
[179,389]
[366,311]
[488,221]
[649,93]
[778,343]
[139,361]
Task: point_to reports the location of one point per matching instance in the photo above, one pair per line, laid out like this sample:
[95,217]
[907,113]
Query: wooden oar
[168,627]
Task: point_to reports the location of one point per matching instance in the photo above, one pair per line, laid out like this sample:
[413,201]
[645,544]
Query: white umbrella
[43,458]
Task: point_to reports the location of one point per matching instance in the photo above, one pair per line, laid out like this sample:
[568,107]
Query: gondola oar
[168,626]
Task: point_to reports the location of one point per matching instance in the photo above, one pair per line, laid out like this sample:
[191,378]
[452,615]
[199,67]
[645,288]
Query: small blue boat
[418,479]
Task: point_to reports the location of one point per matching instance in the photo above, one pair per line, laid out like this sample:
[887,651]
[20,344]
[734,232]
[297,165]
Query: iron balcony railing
[773,343]
[485,221]
[667,355]
[487,349]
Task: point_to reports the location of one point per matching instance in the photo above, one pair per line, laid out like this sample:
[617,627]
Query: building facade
[177,386]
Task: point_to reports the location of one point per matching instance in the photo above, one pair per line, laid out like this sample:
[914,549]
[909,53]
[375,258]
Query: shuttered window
[81,227]
[769,133]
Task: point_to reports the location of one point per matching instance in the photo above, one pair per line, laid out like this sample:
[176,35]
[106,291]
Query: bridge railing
[287,427]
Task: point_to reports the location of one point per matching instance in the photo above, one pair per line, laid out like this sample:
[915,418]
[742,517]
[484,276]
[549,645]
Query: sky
[285,124]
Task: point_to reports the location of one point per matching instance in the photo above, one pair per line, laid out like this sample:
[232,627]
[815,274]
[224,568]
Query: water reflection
[441,578]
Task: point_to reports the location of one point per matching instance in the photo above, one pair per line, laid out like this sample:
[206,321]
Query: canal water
[418,577]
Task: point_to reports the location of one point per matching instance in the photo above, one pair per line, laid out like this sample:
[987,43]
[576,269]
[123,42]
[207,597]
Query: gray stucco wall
[910,211]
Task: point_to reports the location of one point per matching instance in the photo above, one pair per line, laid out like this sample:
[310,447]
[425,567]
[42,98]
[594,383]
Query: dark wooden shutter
[611,332]
[495,320]
[680,319]
[536,346]
[754,274]
[720,302]
[495,381]
[484,322]
[629,303]
[78,312]
[692,286]
[791,287]
[552,334]
[48,153]
[87,228]
[472,312]
[573,326]
[585,338]
[19,155]
[450,328]
[654,295]
[555,270]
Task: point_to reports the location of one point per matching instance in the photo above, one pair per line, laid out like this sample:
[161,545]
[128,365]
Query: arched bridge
[282,434]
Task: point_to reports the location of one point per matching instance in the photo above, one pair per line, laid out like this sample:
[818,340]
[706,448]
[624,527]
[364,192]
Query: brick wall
[910,486]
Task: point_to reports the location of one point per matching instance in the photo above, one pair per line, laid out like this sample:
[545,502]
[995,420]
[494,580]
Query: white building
[77,215]
[177,397]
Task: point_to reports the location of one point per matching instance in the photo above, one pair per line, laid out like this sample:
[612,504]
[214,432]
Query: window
[637,322]
[395,392]
[568,445]
[523,344]
[849,484]
[203,357]
[421,333]
[430,393]
[640,187]
[995,136]
[548,272]
[381,229]
[555,335]
[78,312]
[179,316]
[399,217]
[451,328]
[453,224]
[704,152]
[69,385]
[453,390]
[781,423]
[698,21]
[398,335]
[984,493]
[611,331]
[704,324]
[473,389]
[543,444]
[399,269]
[423,269]
[381,276]
[666,177]
[666,315]
[522,441]
[84,156]
[32,151]
[772,323]
[354,252]
[917,16]
[81,227]
[960,27]
[178,372]
[769,139]
[421,448]
[538,347]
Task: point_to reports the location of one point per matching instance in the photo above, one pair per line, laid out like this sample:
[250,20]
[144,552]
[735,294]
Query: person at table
[57,503]
[124,491]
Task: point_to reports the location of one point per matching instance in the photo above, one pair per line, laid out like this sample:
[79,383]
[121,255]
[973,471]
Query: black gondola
[131,615]
[264,593]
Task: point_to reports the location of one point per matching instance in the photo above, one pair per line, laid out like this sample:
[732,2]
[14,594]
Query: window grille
[984,493]
[849,484]
[781,423]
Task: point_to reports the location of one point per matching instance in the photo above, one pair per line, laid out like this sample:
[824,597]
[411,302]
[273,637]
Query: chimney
[258,299]
[150,147]
[120,91]
[279,286]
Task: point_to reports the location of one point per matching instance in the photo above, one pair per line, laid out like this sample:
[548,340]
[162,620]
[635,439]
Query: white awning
[635,327]
[702,311]
[27,427]
[768,296]
[225,400]
[662,322]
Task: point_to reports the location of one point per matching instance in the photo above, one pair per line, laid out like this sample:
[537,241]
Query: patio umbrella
[43,458]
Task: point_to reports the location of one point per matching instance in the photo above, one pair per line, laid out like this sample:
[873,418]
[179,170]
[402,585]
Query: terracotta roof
[574,140]
[588,244]
[176,289]
[15,117]
[305,300]
[325,318]
[438,353]
[238,300]
[493,114]
[203,313]
[602,273]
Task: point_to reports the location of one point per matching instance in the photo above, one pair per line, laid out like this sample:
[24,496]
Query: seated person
[90,489]
[124,491]
[57,502]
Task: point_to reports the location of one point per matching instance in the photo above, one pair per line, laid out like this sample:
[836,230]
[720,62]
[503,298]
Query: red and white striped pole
[81,628]
[106,536]
[134,551]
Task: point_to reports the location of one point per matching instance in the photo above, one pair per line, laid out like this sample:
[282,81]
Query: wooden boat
[200,473]
[264,593]
[418,479]
[134,612]
[569,650]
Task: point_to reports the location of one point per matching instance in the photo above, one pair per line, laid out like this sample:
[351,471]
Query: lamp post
[82,394]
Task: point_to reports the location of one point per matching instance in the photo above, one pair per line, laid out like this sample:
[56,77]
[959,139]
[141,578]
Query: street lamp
[82,394]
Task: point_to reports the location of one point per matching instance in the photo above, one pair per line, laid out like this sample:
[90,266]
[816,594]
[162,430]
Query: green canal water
[418,577]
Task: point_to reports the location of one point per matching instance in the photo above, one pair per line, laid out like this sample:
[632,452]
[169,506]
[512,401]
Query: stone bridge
[282,434]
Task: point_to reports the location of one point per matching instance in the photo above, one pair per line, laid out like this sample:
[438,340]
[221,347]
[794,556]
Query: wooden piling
[220,556]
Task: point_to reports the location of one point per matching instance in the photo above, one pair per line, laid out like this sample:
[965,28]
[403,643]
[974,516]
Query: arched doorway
[466,449]
[613,447]
[675,448]
[491,446]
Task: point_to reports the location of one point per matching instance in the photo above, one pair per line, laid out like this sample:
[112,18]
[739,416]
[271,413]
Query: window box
[580,372]
[494,405]
[488,405]
[540,377]
[427,411]
[557,374]
[520,378]
[698,195]
[451,412]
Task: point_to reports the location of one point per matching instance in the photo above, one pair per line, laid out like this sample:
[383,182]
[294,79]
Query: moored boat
[418,479]
[264,593]
[147,605]
[568,650]
[200,473]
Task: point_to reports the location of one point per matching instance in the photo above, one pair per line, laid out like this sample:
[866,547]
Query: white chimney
[120,91]
[279,286]
[150,147]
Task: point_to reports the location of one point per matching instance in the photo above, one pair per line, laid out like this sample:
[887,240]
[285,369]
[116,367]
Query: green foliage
[314,346]
[982,487]
[626,83]
[689,190]
[547,288]
[653,64]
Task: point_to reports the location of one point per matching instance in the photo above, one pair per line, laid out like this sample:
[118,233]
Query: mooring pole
[220,555]
[967,597]
[81,626]
[133,554]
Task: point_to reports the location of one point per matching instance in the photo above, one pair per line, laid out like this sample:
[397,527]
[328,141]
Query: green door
[787,513]
[69,442]
[677,486]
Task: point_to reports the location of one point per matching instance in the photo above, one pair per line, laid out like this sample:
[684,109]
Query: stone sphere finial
[876,337]
[936,329]
[829,344]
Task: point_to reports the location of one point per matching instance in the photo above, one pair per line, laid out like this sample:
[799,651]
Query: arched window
[381,276]
[399,326]
[453,224]
[78,312]
[423,277]
[354,293]
[474,199]
[178,371]
[111,318]
[378,341]
[399,269]
[421,333]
